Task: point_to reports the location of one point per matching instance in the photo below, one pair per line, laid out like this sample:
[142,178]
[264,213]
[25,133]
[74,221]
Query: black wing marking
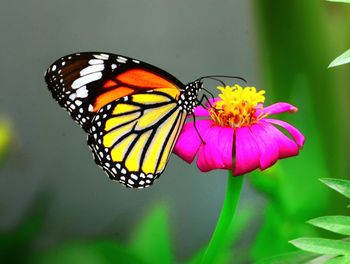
[76,80]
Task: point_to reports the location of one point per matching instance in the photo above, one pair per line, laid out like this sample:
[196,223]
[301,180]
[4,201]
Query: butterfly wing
[82,83]
[133,137]
[129,109]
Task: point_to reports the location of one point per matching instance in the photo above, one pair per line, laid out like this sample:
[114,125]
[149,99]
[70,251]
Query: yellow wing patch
[123,108]
[171,143]
[150,98]
[152,116]
[112,137]
[154,151]
[116,121]
[118,152]
[134,144]
[133,161]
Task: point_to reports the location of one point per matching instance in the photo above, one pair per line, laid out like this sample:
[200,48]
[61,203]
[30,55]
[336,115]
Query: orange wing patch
[109,84]
[137,79]
[144,79]
[110,96]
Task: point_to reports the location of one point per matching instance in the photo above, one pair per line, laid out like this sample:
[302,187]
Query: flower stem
[218,239]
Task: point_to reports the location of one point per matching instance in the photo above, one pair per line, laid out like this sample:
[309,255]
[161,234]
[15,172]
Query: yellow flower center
[237,107]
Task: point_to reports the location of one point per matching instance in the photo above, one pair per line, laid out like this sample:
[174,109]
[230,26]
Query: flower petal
[189,142]
[278,108]
[212,101]
[295,133]
[200,111]
[247,152]
[218,149]
[286,146]
[269,150]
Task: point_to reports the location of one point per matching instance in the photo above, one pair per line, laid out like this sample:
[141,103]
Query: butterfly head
[189,97]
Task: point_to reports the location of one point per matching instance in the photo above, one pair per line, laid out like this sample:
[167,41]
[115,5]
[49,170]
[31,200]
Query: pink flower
[236,127]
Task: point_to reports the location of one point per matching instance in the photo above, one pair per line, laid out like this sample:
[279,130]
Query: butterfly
[132,112]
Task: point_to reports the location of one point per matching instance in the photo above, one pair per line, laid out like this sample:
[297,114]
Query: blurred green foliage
[345,57]
[150,243]
[294,57]
[236,230]
[152,239]
[6,138]
[338,249]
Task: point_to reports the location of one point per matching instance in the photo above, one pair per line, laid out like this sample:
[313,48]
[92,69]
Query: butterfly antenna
[215,79]
[223,76]
[210,93]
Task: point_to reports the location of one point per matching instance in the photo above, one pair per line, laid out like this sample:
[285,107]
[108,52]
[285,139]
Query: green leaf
[342,59]
[340,1]
[341,186]
[288,258]
[334,223]
[339,260]
[322,245]
[152,239]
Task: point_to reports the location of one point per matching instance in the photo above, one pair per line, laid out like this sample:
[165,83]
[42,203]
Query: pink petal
[269,150]
[212,101]
[189,142]
[218,149]
[295,133]
[200,111]
[247,152]
[286,146]
[279,108]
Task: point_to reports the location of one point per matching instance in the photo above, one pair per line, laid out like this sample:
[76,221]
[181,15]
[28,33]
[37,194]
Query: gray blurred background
[188,39]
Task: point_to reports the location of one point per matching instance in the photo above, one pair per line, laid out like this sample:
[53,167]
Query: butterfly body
[133,112]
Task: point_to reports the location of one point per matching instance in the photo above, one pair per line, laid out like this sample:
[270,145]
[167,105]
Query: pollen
[237,106]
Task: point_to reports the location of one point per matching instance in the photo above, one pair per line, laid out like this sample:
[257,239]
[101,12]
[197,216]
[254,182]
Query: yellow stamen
[237,106]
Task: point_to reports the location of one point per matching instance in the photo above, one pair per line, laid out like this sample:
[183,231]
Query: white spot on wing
[82,92]
[102,56]
[93,62]
[53,68]
[72,96]
[86,79]
[121,59]
[131,181]
[91,69]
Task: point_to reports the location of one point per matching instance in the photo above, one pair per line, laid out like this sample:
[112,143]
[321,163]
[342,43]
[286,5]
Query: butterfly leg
[195,127]
[206,99]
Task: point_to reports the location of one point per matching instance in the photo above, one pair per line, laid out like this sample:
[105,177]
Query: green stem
[218,239]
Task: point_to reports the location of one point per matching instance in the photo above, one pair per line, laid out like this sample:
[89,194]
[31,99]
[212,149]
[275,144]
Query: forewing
[83,83]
